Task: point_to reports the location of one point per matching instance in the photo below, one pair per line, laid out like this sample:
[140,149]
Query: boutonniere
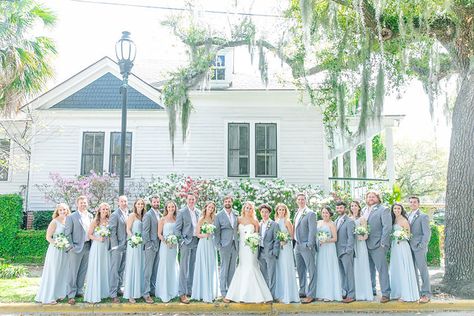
[304,213]
[268,224]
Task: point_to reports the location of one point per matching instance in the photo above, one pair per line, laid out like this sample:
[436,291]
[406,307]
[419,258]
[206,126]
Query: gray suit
[268,253]
[226,239]
[76,232]
[184,230]
[151,244]
[118,251]
[421,234]
[305,252]
[345,254]
[378,244]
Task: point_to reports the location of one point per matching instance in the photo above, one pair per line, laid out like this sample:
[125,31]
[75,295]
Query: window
[115,144]
[218,68]
[4,159]
[92,152]
[265,150]
[239,150]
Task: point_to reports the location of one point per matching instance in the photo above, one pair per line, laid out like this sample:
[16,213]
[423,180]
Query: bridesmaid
[403,283]
[286,289]
[328,284]
[53,285]
[363,285]
[206,277]
[168,268]
[134,268]
[97,280]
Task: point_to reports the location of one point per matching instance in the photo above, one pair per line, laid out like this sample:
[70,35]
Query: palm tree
[25,60]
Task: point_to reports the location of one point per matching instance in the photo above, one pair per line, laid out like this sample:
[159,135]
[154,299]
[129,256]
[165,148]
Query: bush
[10,220]
[31,246]
[42,219]
[8,271]
[434,250]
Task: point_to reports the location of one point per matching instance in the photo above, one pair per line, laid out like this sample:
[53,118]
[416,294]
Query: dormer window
[218,68]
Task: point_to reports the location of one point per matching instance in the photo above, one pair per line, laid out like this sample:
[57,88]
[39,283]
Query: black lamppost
[125,51]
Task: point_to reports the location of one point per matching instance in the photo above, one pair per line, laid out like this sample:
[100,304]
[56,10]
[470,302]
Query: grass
[18,290]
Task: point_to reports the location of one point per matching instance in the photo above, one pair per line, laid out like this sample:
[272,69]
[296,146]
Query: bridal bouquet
[253,241]
[283,237]
[401,235]
[135,240]
[171,240]
[61,242]
[323,236]
[361,231]
[207,228]
[102,231]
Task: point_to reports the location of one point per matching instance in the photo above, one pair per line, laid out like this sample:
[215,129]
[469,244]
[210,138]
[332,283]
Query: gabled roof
[97,87]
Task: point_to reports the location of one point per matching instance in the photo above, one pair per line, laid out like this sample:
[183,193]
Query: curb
[394,306]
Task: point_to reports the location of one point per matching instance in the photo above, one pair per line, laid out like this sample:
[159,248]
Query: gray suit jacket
[271,245]
[380,223]
[226,235]
[150,231]
[345,237]
[184,226]
[421,231]
[75,231]
[118,232]
[305,231]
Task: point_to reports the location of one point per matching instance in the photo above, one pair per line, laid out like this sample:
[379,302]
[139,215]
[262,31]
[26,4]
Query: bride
[248,284]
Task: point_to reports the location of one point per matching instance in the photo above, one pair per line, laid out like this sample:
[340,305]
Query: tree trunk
[459,230]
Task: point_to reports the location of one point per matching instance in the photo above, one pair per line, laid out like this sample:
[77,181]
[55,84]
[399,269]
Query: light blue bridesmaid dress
[402,271]
[134,267]
[286,289]
[328,284]
[168,268]
[206,277]
[53,282]
[363,285]
[97,279]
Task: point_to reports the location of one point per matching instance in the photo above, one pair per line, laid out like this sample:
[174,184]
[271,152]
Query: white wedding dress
[248,284]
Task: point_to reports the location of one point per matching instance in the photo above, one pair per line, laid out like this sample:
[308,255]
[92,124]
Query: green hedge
[434,250]
[11,206]
[41,219]
[31,246]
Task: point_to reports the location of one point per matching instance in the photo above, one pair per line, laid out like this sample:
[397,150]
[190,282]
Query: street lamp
[125,51]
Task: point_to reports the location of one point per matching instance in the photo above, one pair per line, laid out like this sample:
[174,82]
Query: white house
[237,129]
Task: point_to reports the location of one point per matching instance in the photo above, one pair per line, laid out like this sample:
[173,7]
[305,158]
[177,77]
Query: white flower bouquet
[61,242]
[323,236]
[207,228]
[401,235]
[102,231]
[252,241]
[283,237]
[135,240]
[171,240]
[361,231]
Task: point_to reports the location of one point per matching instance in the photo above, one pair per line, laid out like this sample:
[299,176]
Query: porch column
[390,157]
[353,183]
[369,159]
[340,169]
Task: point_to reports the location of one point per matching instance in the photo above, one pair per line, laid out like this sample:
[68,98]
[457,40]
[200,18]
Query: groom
[269,247]
[305,249]
[226,239]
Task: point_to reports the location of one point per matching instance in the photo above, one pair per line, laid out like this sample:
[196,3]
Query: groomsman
[379,220]
[345,251]
[226,239]
[152,245]
[118,244]
[76,231]
[421,234]
[185,230]
[305,249]
[269,247]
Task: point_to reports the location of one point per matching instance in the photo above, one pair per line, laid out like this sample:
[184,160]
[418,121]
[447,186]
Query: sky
[87,30]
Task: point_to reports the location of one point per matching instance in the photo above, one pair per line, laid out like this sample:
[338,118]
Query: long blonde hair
[282,205]
[204,213]
[58,207]
[252,208]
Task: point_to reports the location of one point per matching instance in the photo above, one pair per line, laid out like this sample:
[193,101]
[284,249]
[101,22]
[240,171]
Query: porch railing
[356,186]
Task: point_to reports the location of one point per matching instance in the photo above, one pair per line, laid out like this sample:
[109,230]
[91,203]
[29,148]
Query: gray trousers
[306,263]
[346,267]
[186,267]
[117,267]
[378,262]
[228,263]
[421,269]
[267,264]
[77,271]
[151,268]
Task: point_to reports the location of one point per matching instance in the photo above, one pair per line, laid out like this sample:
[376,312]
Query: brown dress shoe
[307,300]
[424,299]
[348,300]
[115,300]
[71,301]
[184,299]
[149,300]
[384,299]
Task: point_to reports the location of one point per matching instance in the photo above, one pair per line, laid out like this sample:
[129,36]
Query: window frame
[8,160]
[266,151]
[229,149]
[111,152]
[215,68]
